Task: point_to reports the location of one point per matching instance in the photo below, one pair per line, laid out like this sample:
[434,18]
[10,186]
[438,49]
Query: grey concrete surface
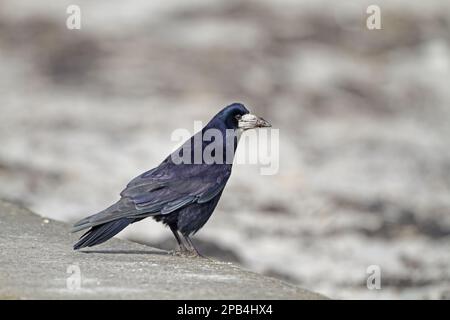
[37,262]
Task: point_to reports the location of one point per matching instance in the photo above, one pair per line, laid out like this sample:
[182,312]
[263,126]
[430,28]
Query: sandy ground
[363,116]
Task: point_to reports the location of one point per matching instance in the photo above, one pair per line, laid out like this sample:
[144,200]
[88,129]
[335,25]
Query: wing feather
[163,190]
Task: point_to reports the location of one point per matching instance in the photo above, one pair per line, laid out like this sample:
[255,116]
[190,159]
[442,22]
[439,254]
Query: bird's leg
[181,247]
[192,248]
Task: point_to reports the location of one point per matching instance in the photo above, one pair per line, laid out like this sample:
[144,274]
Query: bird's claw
[187,254]
[179,253]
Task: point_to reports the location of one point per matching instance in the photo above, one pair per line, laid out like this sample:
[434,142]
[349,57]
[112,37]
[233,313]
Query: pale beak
[250,121]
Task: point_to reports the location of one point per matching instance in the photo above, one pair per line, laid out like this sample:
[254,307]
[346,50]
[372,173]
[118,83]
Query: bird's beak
[250,121]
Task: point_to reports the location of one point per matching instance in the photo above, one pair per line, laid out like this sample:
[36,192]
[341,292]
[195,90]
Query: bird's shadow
[157,252]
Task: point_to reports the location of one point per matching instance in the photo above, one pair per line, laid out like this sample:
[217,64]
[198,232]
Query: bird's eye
[238,117]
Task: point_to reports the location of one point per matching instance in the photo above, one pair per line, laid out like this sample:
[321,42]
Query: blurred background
[364,120]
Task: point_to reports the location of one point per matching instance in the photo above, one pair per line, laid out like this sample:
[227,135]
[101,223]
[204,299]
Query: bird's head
[236,116]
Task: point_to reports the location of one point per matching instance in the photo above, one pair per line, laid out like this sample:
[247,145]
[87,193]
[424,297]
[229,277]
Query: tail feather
[100,233]
[121,209]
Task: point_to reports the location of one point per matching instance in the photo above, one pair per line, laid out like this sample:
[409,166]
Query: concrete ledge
[37,262]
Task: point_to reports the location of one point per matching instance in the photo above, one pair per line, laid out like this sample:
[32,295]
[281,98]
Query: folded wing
[163,190]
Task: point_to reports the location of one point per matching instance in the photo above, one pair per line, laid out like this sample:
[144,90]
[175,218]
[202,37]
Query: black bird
[181,195]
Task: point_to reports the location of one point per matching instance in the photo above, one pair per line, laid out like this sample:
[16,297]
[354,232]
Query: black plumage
[182,196]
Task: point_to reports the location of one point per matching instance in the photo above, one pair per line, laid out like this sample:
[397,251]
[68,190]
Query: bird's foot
[191,247]
[179,252]
[187,254]
[195,254]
